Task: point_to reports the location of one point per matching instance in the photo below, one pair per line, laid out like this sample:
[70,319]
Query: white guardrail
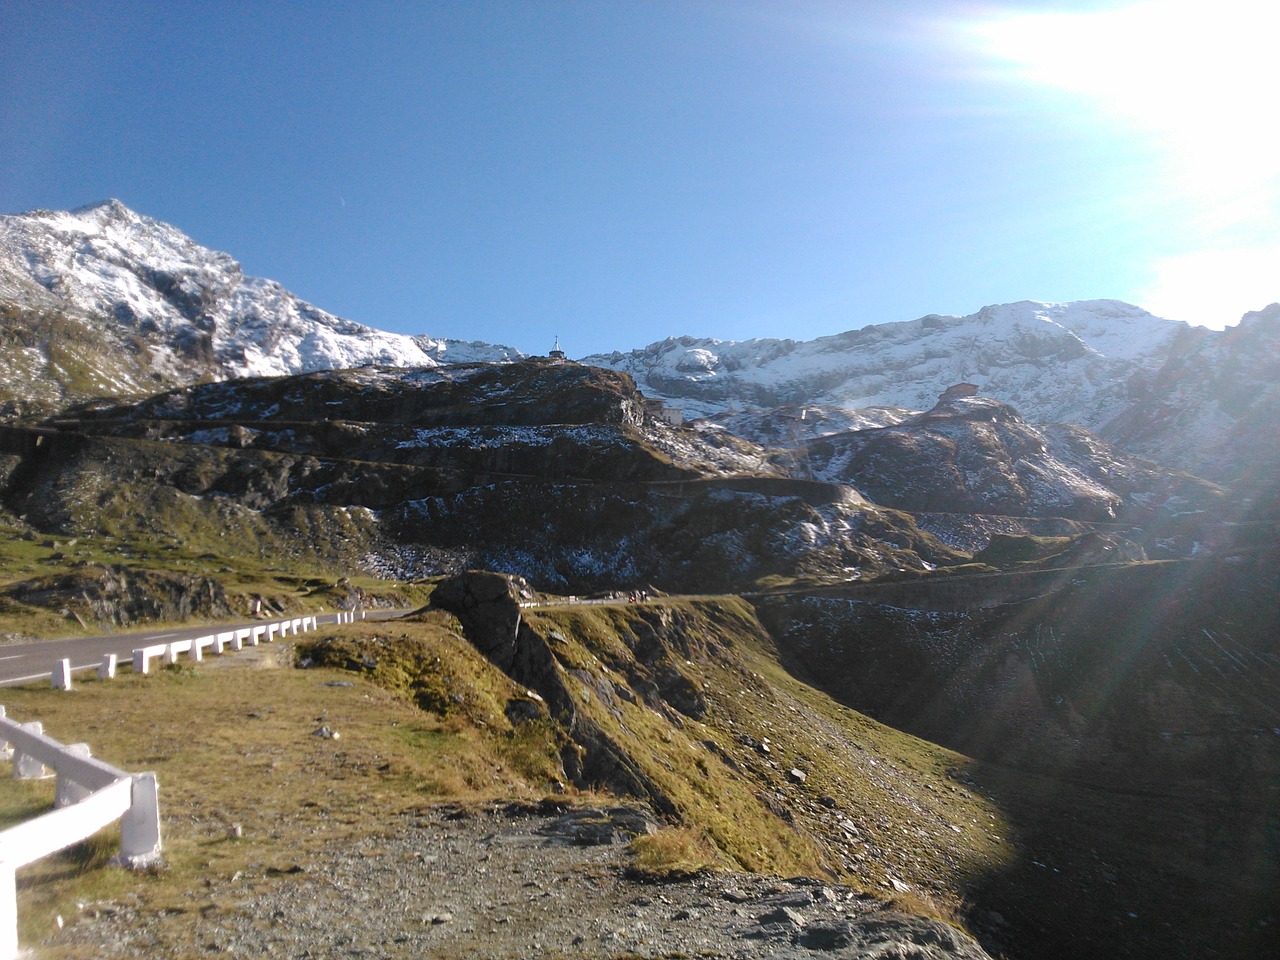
[88,796]
[216,643]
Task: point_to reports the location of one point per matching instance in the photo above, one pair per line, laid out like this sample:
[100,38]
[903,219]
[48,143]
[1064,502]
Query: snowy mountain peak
[108,210]
[193,307]
[1054,361]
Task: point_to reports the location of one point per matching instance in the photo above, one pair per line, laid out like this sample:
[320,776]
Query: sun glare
[1214,288]
[1195,81]
[1200,76]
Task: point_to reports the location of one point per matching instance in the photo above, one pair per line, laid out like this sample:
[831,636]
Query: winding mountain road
[28,662]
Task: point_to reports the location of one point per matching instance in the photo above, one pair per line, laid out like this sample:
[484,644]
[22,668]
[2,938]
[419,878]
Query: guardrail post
[107,669]
[61,677]
[197,648]
[5,751]
[140,826]
[8,912]
[66,791]
[141,662]
[25,766]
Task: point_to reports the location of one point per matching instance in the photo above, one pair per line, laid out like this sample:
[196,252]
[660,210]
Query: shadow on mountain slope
[1124,720]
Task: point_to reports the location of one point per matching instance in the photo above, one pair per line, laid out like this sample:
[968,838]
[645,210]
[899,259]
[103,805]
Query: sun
[1194,84]
[1199,77]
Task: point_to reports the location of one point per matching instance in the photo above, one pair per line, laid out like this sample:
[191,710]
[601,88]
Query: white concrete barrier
[143,656]
[62,675]
[89,795]
[195,647]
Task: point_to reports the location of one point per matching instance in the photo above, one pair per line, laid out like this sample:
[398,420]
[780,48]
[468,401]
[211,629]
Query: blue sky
[617,172]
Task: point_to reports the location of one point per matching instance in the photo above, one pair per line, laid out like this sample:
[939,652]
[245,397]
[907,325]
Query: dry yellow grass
[672,853]
[234,745]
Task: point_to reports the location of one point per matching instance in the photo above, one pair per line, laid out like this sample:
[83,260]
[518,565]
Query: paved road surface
[29,662]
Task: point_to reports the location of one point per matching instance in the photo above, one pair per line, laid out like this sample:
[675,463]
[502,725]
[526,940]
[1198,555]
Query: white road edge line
[34,676]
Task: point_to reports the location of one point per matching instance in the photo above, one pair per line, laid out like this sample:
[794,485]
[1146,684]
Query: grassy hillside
[689,695]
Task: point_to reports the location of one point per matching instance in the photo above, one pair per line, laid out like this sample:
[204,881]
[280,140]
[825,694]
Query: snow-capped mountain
[1192,399]
[1213,406]
[101,301]
[1067,362]
[188,308]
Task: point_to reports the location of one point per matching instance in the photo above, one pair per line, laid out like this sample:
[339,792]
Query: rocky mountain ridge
[101,301]
[165,310]
[1187,397]
[970,454]
[1006,350]
[551,470]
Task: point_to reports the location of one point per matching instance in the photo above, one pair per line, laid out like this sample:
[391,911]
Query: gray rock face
[487,606]
[975,455]
[121,596]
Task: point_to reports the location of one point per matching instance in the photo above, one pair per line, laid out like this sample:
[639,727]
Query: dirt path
[506,881]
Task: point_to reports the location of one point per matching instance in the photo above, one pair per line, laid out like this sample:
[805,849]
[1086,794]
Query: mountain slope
[1064,362]
[548,469]
[977,455]
[182,312]
[1213,405]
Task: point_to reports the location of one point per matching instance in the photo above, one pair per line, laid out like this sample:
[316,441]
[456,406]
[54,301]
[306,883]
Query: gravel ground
[506,881]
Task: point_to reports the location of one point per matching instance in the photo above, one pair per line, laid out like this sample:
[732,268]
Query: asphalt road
[30,662]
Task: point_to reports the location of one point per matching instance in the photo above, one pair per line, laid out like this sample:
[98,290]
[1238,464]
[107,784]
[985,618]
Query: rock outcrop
[976,455]
[119,596]
[487,606]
